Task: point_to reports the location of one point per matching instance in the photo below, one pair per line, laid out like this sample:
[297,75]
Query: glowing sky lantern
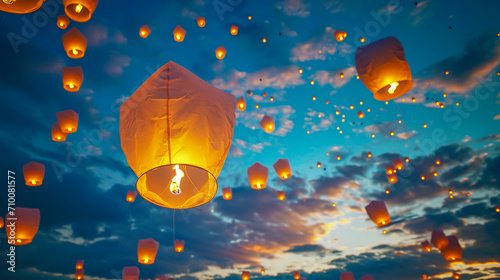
[179,34]
[79,274]
[282,168]
[426,246]
[201,21]
[130,273]
[179,245]
[377,212]
[347,275]
[20,6]
[144,31]
[398,163]
[241,104]
[281,195]
[62,21]
[67,120]
[33,173]
[296,275]
[234,29]
[245,275]
[2,223]
[267,123]
[80,10]
[26,226]
[367,277]
[57,134]
[72,78]
[389,169]
[439,239]
[146,250]
[79,264]
[74,43]
[131,196]
[227,193]
[382,68]
[455,275]
[177,128]
[220,52]
[257,176]
[339,35]
[360,114]
[452,251]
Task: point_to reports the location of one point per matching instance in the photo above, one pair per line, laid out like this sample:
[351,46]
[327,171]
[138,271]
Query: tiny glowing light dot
[387,191]
[468,194]
[319,115]
[300,70]
[338,157]
[442,105]
[362,40]
[212,210]
[368,109]
[326,102]
[338,127]
[357,77]
[351,107]
[360,102]
[413,100]
[314,97]
[444,94]
[457,104]
[343,116]
[264,40]
[446,73]
[451,196]
[249,17]
[387,102]
[312,82]
[308,132]
[327,153]
[340,132]
[450,192]
[384,231]
[341,75]
[425,125]
[399,121]
[337,112]
[373,135]
[334,205]
[369,154]
[392,133]
[343,120]
[435,174]
[19,241]
[422,177]
[272,98]
[257,106]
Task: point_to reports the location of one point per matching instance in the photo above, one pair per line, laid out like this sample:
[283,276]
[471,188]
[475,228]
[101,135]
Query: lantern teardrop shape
[201,21]
[179,34]
[33,173]
[179,245]
[360,114]
[453,251]
[245,275]
[339,35]
[26,226]
[62,21]
[282,168]
[455,275]
[144,31]
[234,30]
[398,163]
[439,239]
[367,277]
[57,134]
[177,128]
[72,78]
[227,193]
[131,196]
[79,264]
[146,250]
[220,52]
[267,123]
[2,223]
[281,195]
[68,121]
[392,178]
[80,10]
[241,104]
[257,176]
[20,6]
[79,274]
[296,275]
[346,275]
[377,211]
[426,246]
[382,68]
[130,273]
[74,43]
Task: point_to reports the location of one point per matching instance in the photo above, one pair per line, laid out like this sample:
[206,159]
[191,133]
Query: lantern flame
[33,182]
[78,8]
[393,87]
[8,2]
[175,185]
[75,52]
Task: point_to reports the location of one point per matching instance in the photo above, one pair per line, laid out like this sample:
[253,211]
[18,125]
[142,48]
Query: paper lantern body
[245,275]
[146,250]
[267,123]
[296,275]
[227,193]
[393,179]
[179,245]
[57,134]
[179,34]
[382,68]
[282,168]
[74,43]
[21,6]
[346,275]
[220,52]
[68,121]
[455,275]
[389,169]
[201,21]
[234,29]
[367,277]
[257,176]
[34,173]
[281,195]
[79,274]
[398,163]
[453,251]
[28,220]
[360,114]
[339,35]
[80,10]
[72,78]
[130,273]
[426,246]
[131,196]
[377,212]
[62,21]
[241,104]
[2,223]
[79,264]
[439,239]
[177,128]
[144,31]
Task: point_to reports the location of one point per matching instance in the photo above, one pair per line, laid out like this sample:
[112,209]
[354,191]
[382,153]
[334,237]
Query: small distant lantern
[79,264]
[144,31]
[282,168]
[179,245]
[438,161]
[455,275]
[26,226]
[57,134]
[377,211]
[360,114]
[79,274]
[74,43]
[234,29]
[267,123]
[130,273]
[146,250]
[34,173]
[398,163]
[439,239]
[62,21]
[339,35]
[72,78]
[296,275]
[392,178]
[426,246]
[68,121]
[220,52]
[245,275]
[281,195]
[227,193]
[241,104]
[257,176]
[2,223]
[201,21]
[131,196]
[179,34]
